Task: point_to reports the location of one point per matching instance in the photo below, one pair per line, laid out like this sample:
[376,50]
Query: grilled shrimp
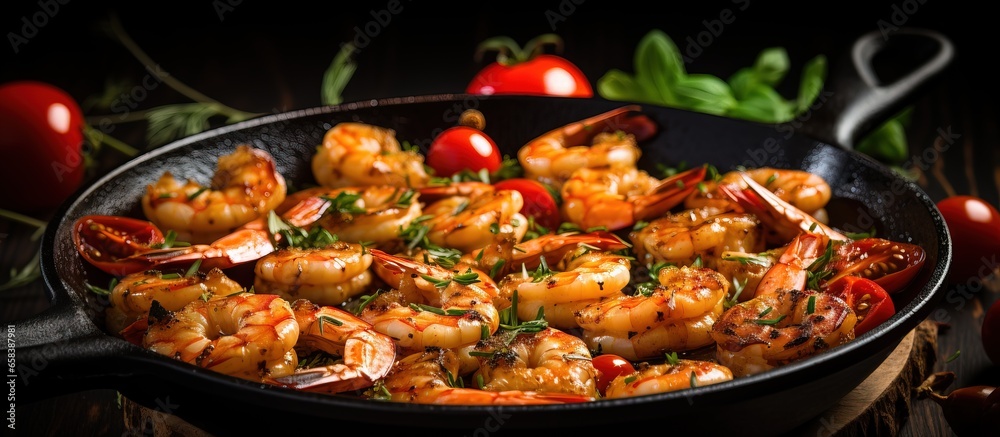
[355,214]
[326,276]
[675,335]
[428,305]
[581,278]
[552,157]
[134,294]
[781,327]
[547,361]
[246,186]
[250,336]
[803,190]
[469,220]
[682,237]
[662,378]
[358,154]
[432,377]
[366,355]
[682,293]
[617,198]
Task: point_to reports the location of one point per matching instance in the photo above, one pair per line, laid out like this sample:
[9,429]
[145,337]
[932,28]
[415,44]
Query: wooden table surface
[264,59]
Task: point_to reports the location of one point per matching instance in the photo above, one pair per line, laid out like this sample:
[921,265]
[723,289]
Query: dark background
[270,57]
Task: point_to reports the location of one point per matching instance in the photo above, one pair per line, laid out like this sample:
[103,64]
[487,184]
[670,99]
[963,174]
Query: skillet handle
[854,103]
[61,351]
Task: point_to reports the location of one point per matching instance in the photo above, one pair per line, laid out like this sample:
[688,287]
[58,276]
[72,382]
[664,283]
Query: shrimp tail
[784,219]
[670,193]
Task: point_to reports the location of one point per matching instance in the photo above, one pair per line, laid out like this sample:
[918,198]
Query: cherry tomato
[42,141]
[870,302]
[549,75]
[891,264]
[991,333]
[528,71]
[974,226]
[609,366]
[538,201]
[104,240]
[462,147]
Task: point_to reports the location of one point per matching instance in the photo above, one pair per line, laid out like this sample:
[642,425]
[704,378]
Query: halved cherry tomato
[609,366]
[43,141]
[974,225]
[526,70]
[890,264]
[870,302]
[462,147]
[538,201]
[104,240]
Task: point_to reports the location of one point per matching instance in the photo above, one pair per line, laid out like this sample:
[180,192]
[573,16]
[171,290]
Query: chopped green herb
[672,359]
[770,321]
[953,356]
[860,235]
[102,291]
[694,380]
[344,202]
[737,289]
[764,313]
[324,319]
[639,225]
[195,194]
[630,379]
[771,179]
[170,276]
[811,305]
[193,269]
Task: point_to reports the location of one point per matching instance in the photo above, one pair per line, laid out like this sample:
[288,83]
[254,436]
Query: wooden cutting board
[878,406]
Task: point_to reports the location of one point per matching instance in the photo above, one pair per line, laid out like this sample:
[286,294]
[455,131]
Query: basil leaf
[887,143]
[771,65]
[704,93]
[813,76]
[742,82]
[763,104]
[618,85]
[658,66]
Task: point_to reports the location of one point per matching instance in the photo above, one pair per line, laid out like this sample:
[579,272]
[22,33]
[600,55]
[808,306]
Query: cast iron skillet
[65,350]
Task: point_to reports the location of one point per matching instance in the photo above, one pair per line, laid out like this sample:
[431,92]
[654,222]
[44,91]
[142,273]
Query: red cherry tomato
[548,75]
[538,201]
[462,147]
[870,302]
[991,333]
[974,226]
[42,138]
[890,264]
[609,366]
[104,240]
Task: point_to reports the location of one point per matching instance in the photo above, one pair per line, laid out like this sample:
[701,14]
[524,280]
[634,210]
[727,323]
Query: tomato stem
[21,218]
[510,53]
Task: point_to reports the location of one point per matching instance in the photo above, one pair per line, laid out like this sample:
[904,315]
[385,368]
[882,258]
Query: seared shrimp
[675,335]
[470,222]
[431,377]
[583,277]
[134,294]
[358,154]
[683,293]
[327,276]
[548,361]
[618,197]
[552,157]
[429,306]
[682,237]
[782,221]
[366,355]
[374,213]
[250,336]
[662,378]
[246,186]
[801,189]
[781,327]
